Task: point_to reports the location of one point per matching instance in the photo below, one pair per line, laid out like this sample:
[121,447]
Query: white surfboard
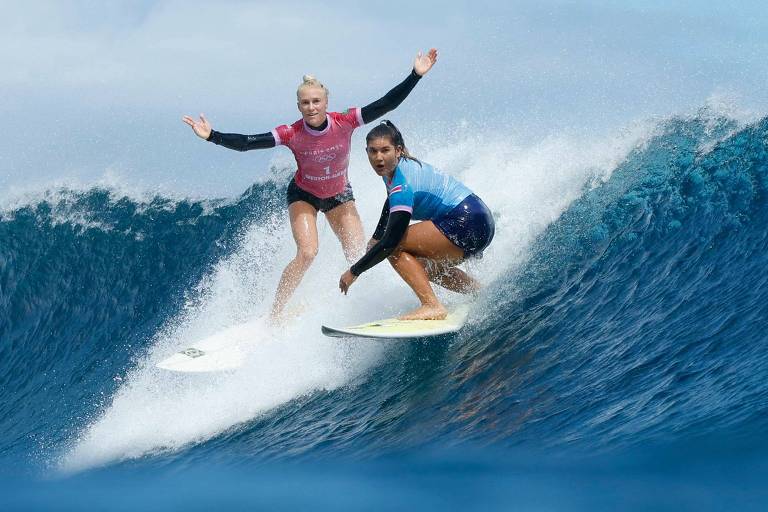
[392,328]
[225,350]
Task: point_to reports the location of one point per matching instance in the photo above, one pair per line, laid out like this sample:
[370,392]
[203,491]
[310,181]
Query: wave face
[634,317]
[86,279]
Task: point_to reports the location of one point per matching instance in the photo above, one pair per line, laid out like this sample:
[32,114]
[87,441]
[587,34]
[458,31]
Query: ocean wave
[625,306]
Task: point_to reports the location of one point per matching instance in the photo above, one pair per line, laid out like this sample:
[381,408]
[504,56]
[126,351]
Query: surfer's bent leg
[451,277]
[304,227]
[413,273]
[424,240]
[346,224]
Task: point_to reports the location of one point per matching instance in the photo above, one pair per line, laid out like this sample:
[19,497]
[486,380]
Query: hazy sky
[98,88]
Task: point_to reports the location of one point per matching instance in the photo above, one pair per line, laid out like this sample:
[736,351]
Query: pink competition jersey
[322,156]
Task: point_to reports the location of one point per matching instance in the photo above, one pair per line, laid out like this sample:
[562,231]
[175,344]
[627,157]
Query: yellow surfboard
[392,328]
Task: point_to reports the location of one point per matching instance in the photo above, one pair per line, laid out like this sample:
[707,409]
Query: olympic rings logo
[325,158]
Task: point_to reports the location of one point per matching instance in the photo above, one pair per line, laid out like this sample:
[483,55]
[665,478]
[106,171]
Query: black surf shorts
[296,193]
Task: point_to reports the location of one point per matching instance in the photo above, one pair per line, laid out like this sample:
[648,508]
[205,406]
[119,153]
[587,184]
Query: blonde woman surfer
[320,142]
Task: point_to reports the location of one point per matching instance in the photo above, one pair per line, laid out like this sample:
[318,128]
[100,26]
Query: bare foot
[433,312]
[276,321]
[289,314]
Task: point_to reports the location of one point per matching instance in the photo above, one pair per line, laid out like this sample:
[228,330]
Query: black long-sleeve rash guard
[378,108]
[389,233]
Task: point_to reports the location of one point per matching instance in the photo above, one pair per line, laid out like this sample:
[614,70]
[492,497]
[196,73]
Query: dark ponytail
[386,129]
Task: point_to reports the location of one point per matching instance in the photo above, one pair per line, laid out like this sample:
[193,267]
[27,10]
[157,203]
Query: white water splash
[155,411]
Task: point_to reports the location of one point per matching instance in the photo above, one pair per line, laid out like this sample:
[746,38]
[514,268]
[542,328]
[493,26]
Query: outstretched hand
[347,278]
[201,128]
[424,63]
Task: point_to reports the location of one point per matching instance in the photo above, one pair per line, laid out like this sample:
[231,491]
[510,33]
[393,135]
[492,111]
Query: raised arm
[390,101]
[202,129]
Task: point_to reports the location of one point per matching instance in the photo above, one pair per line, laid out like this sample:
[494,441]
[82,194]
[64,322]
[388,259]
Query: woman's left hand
[424,63]
[347,278]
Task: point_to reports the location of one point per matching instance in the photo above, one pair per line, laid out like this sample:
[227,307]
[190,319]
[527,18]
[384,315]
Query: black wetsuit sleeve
[382,225]
[242,142]
[391,100]
[397,225]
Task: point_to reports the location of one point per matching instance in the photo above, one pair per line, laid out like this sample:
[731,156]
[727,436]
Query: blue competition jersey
[423,191]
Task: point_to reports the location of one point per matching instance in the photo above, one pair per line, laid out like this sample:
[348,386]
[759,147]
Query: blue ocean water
[623,364]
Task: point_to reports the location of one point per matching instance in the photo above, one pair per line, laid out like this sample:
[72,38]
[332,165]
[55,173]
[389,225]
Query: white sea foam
[64,200]
[154,411]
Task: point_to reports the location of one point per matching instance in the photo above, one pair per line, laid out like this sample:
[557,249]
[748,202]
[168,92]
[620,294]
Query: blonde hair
[311,81]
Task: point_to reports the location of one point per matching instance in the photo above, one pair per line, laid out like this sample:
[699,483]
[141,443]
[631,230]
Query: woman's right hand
[201,128]
[346,280]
